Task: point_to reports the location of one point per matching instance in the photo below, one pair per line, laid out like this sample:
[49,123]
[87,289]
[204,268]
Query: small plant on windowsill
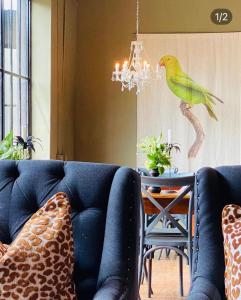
[157,154]
[16,148]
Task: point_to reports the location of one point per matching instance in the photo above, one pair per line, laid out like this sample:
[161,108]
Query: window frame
[4,72]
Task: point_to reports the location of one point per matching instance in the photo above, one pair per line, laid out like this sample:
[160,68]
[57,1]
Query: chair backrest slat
[186,181]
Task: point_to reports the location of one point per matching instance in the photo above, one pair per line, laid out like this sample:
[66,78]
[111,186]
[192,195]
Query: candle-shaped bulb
[117,67]
[125,65]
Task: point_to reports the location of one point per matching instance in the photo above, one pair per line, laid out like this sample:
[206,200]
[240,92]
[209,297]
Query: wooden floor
[166,280]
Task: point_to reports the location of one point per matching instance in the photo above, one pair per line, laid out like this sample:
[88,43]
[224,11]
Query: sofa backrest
[25,186]
[230,184]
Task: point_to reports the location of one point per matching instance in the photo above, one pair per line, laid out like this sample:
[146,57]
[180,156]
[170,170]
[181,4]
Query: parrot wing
[184,81]
[193,92]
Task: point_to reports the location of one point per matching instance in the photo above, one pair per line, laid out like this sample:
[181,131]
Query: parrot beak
[162,63]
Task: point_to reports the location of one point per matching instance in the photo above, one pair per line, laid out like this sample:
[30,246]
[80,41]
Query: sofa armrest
[203,289]
[113,288]
[121,242]
[208,256]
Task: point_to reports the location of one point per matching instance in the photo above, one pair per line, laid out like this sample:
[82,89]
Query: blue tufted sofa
[105,215]
[215,188]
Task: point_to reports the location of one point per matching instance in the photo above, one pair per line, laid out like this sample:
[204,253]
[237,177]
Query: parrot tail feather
[211,113]
[221,101]
[209,98]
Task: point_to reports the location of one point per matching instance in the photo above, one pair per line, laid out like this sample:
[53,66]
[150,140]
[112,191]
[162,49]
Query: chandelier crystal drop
[135,72]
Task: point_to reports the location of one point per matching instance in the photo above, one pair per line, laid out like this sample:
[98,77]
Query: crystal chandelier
[135,72]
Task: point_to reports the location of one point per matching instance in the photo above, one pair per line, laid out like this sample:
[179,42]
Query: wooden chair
[179,236]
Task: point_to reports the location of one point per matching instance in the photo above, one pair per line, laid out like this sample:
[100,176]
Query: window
[14,66]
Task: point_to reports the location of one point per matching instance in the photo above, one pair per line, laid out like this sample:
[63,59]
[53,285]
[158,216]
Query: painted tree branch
[200,135]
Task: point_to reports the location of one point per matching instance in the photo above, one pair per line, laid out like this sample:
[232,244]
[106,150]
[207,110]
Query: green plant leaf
[6,143]
[161,170]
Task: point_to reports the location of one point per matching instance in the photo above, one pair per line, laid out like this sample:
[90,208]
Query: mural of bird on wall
[190,93]
[185,88]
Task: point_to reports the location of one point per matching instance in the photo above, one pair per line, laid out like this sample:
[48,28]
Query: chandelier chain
[137,16]
[135,72]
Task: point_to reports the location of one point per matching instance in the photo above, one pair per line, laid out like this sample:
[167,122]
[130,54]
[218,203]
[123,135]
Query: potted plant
[157,154]
[16,148]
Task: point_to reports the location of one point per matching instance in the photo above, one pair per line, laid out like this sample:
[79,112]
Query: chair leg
[167,252]
[181,274]
[144,273]
[160,254]
[149,276]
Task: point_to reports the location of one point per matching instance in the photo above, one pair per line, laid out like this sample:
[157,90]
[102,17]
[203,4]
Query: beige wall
[54,34]
[64,85]
[91,119]
[186,15]
[41,82]
[105,118]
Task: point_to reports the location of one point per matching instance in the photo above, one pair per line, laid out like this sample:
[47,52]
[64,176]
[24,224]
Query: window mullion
[15,84]
[11,65]
[20,64]
[3,76]
[29,116]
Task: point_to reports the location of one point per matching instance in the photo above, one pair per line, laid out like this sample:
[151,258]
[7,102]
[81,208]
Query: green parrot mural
[190,93]
[185,88]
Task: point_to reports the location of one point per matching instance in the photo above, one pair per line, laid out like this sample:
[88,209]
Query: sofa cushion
[39,262]
[231,223]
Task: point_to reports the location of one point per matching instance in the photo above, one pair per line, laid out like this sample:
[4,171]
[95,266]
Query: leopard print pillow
[38,265]
[3,249]
[231,223]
